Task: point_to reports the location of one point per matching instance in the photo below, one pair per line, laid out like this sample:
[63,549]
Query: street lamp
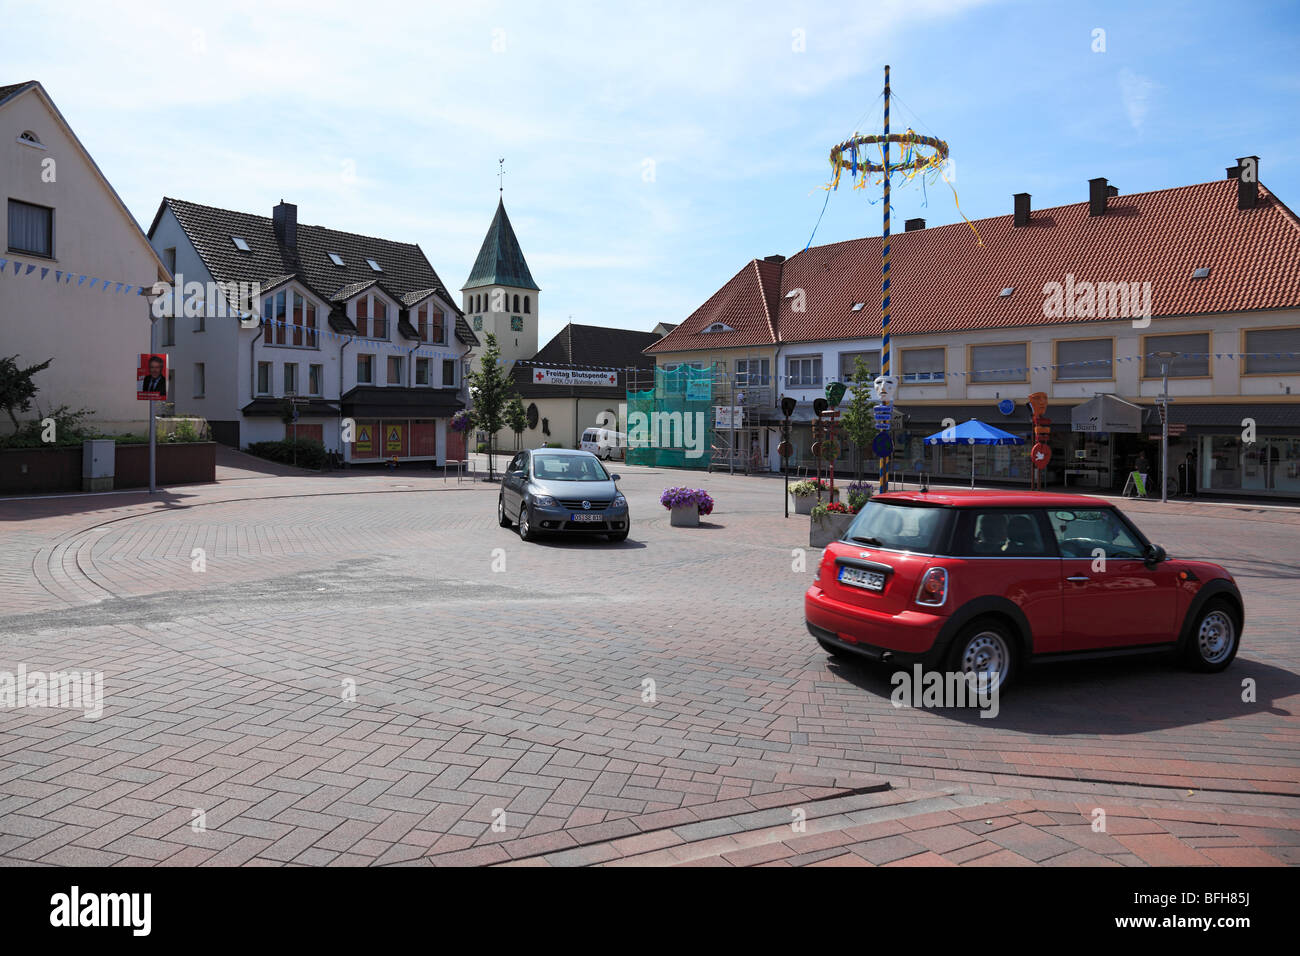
[1165,357]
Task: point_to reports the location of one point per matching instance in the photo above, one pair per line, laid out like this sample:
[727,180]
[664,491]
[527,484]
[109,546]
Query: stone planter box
[44,470]
[831,528]
[37,470]
[687,516]
[179,463]
[803,506]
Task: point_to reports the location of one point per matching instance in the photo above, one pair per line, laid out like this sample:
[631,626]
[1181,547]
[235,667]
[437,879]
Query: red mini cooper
[981,582]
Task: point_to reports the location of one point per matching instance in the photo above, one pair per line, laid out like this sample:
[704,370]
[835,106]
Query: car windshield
[896,526]
[568,468]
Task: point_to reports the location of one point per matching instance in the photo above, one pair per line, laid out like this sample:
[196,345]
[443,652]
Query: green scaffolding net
[670,425]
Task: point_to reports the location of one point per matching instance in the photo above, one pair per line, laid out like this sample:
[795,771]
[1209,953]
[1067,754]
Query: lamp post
[1165,357]
[149,298]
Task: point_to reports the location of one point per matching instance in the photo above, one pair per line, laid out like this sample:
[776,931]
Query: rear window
[898,527]
[589,436]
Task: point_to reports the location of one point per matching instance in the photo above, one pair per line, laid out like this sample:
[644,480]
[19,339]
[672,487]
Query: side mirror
[615,477]
[1155,554]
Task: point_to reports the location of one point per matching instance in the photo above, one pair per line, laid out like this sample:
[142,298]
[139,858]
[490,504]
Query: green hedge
[311,453]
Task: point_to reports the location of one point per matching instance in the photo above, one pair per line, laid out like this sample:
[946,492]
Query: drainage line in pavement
[837,795]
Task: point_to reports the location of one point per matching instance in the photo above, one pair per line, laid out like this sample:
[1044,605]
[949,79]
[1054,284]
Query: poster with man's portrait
[151,378]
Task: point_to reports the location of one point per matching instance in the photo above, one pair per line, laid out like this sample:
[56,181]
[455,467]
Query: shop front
[402,424]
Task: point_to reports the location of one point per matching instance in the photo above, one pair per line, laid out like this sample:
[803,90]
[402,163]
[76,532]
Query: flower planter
[805,505]
[686,516]
[829,528]
[685,505]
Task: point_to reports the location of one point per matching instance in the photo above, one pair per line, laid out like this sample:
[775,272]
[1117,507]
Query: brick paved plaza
[499,712]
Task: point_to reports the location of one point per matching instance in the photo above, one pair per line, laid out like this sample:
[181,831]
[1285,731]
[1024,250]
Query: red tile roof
[942,281]
[747,303]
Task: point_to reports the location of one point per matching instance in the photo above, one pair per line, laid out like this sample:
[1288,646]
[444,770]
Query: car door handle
[1079,577]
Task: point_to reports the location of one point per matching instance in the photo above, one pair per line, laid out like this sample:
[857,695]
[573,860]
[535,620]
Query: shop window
[999,363]
[923,366]
[1273,352]
[1192,361]
[1082,360]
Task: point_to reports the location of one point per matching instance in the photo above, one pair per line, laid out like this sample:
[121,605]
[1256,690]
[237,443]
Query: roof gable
[14,90]
[747,304]
[596,345]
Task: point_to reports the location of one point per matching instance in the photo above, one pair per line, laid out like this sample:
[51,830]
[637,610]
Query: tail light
[934,588]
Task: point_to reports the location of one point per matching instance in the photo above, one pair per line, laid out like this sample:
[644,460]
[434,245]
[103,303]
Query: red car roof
[994,498]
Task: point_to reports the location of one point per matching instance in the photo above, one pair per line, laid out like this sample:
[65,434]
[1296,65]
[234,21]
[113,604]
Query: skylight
[374,265]
[336,258]
[792,293]
[1201,273]
[240,244]
[857,306]
[1007,291]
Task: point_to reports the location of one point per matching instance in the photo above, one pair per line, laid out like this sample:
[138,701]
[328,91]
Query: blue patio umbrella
[973,432]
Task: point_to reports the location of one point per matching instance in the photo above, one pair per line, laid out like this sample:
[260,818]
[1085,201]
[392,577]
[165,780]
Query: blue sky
[651,149]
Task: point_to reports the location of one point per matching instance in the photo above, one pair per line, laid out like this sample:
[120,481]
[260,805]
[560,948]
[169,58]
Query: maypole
[887,399]
[850,155]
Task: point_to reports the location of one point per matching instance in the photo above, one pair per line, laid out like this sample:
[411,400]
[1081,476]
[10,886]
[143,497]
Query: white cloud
[1134,91]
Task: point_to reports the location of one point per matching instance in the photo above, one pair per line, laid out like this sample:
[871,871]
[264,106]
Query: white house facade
[72,263]
[344,339]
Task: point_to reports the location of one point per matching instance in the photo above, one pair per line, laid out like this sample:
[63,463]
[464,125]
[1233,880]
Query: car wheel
[502,518]
[986,649]
[1213,642]
[526,532]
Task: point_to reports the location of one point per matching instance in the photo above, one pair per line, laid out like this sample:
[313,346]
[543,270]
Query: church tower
[500,296]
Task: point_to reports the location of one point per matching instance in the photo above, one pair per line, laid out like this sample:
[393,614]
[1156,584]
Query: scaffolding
[740,415]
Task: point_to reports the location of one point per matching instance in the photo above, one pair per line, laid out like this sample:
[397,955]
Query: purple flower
[685,497]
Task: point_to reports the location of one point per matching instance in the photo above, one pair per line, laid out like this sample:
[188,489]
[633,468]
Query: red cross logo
[540,375]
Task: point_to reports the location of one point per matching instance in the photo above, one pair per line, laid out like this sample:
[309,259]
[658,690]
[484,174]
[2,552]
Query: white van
[604,443]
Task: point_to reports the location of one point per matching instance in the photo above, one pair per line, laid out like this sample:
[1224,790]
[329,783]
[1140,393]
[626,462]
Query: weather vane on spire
[501,175]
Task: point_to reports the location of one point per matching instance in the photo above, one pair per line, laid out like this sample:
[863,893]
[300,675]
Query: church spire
[500,261]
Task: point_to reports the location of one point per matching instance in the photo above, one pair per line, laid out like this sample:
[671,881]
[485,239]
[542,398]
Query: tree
[490,389]
[16,386]
[516,417]
[858,420]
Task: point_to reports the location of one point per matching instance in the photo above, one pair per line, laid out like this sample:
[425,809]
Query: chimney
[285,220]
[1247,182]
[1097,193]
[913,224]
[776,259]
[1022,209]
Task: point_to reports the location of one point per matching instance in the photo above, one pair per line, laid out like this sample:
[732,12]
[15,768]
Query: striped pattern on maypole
[884,279]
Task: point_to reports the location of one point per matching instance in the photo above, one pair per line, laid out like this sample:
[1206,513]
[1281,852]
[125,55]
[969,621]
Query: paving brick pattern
[503,710]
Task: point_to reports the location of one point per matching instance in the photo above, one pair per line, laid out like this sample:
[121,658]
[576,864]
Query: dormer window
[374,265]
[719,327]
[335,258]
[240,244]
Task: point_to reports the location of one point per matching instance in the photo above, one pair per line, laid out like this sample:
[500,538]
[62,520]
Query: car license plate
[858,578]
[588,516]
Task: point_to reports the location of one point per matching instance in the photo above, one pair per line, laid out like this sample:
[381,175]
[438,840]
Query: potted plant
[807,493]
[685,505]
[859,494]
[830,522]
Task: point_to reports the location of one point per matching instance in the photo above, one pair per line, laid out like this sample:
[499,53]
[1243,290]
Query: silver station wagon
[560,490]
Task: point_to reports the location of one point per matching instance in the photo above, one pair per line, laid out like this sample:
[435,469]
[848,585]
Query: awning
[375,401]
[265,407]
[1106,413]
